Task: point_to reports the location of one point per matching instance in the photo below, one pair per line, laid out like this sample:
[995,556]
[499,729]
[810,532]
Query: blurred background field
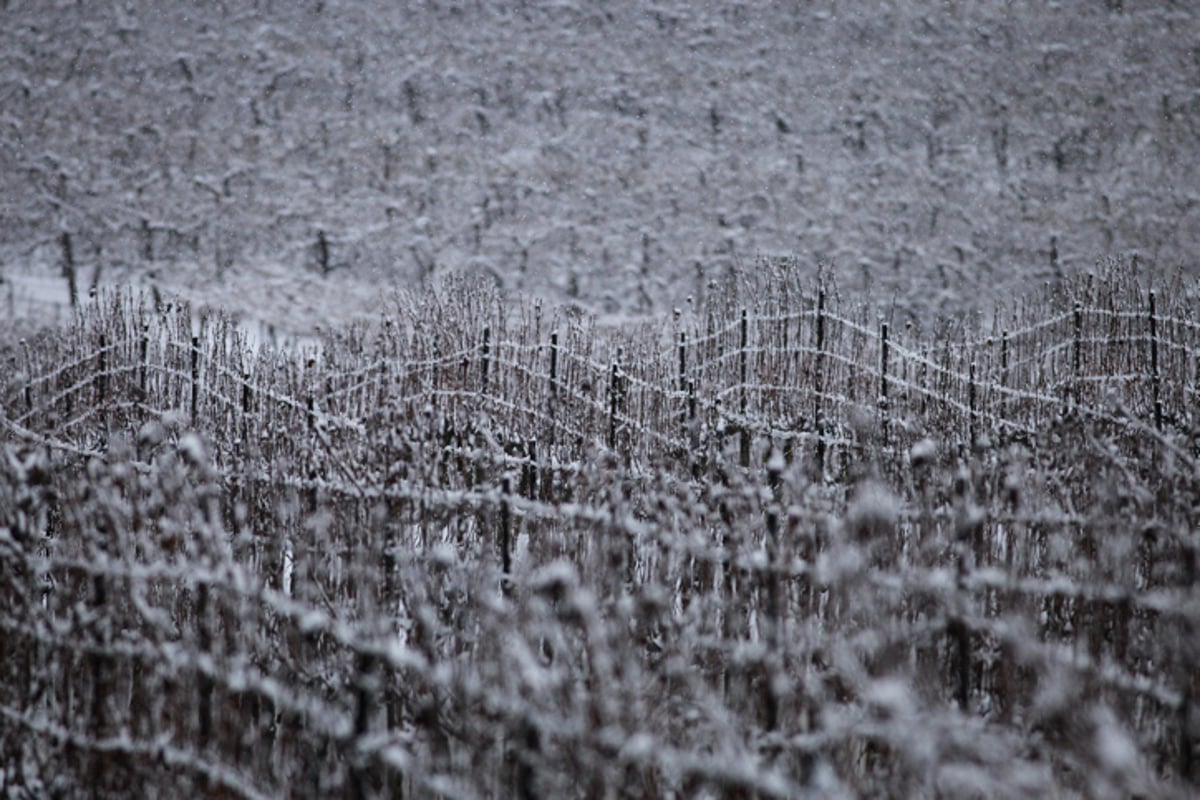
[285,160]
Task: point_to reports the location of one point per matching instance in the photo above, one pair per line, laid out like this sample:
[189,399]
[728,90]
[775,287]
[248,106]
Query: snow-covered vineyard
[770,547]
[282,160]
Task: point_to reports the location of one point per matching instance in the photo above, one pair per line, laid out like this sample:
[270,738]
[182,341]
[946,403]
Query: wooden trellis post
[819,386]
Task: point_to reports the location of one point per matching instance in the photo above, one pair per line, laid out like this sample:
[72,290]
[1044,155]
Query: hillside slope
[286,160]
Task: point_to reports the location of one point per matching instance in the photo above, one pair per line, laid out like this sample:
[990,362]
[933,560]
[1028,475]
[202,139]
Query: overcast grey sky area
[287,161]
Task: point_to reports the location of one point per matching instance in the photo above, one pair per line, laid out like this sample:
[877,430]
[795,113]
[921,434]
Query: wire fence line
[458,553]
[757,372]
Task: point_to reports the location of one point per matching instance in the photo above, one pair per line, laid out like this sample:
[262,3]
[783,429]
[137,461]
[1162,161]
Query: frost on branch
[379,572]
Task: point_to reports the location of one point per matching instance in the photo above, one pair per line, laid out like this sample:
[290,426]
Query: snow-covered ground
[293,162]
